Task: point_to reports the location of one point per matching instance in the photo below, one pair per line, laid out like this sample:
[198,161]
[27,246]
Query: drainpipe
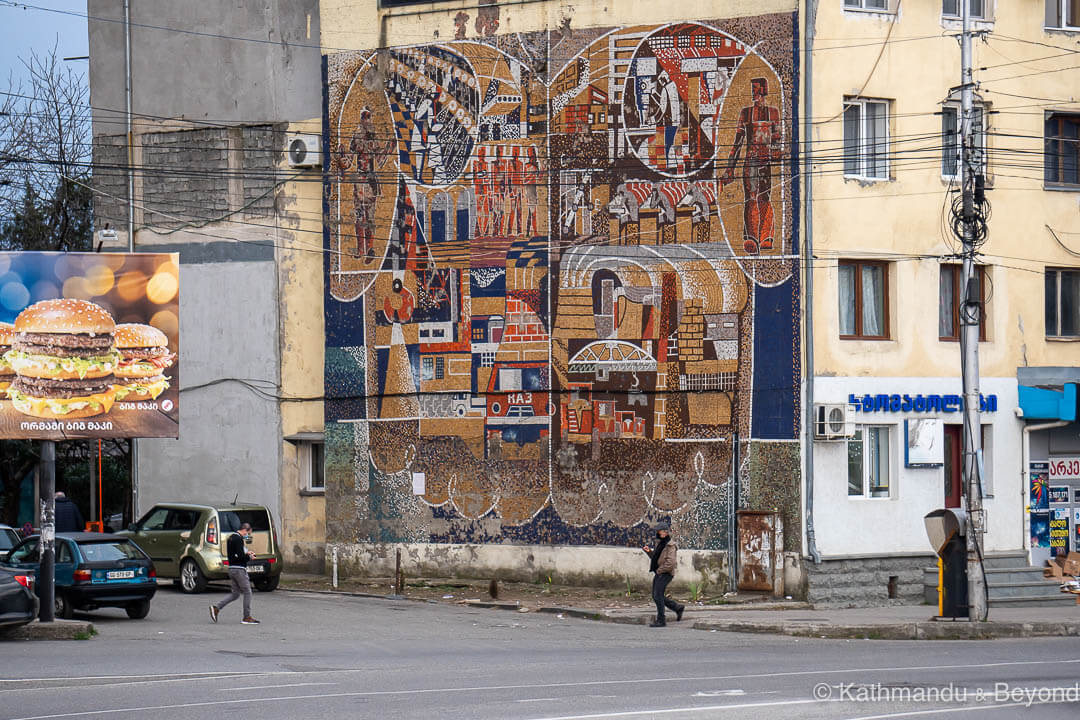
[130,220]
[809,22]
[1025,473]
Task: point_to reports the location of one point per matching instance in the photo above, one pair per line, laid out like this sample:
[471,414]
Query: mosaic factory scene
[561,283]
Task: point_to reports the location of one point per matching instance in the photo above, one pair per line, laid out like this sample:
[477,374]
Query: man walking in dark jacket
[662,561]
[68,517]
[238,575]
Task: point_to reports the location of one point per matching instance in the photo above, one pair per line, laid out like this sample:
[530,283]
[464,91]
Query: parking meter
[947,530]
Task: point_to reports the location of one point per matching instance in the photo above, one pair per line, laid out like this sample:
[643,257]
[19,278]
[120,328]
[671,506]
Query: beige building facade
[881,119]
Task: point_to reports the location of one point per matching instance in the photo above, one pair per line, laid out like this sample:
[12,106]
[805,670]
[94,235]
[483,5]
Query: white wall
[867,526]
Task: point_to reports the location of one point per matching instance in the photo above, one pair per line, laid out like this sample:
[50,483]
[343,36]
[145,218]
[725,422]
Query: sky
[23,30]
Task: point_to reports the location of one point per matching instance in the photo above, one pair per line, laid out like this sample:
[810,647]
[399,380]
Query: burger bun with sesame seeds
[144,355]
[64,359]
[7,374]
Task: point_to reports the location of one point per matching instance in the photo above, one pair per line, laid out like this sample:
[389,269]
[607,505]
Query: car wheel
[267,584]
[139,610]
[192,579]
[62,606]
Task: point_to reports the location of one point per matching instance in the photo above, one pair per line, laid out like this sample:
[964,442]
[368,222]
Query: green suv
[187,543]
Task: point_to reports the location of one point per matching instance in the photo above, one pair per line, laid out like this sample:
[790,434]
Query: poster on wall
[89,345]
[925,446]
[1059,494]
[1040,529]
[1039,498]
[1059,532]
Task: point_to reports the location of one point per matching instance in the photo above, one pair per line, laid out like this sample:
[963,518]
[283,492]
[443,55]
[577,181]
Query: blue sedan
[93,570]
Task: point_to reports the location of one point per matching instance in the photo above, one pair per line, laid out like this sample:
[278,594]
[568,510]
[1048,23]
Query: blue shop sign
[918,403]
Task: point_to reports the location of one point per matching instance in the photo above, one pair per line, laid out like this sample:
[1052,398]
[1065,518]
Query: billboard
[89,345]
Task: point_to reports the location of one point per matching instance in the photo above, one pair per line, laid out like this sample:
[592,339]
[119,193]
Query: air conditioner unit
[304,150]
[834,421]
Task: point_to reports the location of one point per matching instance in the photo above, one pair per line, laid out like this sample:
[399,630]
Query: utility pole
[970,317]
[47,568]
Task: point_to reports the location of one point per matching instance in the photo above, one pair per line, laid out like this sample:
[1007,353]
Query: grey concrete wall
[230,436]
[864,582]
[253,61]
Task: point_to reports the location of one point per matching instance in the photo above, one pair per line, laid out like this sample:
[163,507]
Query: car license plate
[255,569]
[120,574]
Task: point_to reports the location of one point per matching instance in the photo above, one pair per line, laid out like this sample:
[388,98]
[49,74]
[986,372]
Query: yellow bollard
[940,587]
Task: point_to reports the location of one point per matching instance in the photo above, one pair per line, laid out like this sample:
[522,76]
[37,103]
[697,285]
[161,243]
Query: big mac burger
[144,352]
[7,332]
[64,360]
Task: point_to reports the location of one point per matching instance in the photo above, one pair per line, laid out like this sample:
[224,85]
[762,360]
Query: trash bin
[947,530]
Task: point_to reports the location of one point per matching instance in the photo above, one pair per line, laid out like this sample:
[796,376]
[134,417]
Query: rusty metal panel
[760,549]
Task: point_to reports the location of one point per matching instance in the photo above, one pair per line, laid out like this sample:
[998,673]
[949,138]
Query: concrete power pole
[970,316]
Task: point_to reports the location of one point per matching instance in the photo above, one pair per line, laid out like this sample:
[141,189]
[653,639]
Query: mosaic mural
[560,281]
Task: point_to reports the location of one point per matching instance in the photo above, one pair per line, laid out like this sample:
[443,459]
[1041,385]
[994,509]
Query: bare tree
[45,156]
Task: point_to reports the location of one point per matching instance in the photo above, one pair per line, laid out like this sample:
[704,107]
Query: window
[868,462]
[25,553]
[867,4]
[951,143]
[1064,14]
[864,302]
[487,359]
[155,519]
[951,285]
[976,8]
[1062,159]
[309,458]
[427,368]
[866,138]
[440,368]
[1063,303]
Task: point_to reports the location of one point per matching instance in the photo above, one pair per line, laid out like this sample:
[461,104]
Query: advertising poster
[89,345]
[1059,494]
[925,443]
[1040,529]
[1059,532]
[1040,490]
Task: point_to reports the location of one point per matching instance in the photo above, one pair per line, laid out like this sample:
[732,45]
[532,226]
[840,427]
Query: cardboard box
[1072,564]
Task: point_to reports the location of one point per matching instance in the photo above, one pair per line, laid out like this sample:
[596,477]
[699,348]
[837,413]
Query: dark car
[9,538]
[18,604]
[93,570]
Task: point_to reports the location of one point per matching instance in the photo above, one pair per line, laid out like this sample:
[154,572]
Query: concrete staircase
[1011,583]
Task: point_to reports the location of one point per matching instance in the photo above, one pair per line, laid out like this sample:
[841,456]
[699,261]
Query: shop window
[866,138]
[1063,14]
[1062,302]
[977,9]
[1061,161]
[951,286]
[864,304]
[868,459]
[952,145]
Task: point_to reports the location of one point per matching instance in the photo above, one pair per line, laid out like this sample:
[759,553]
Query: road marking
[692,708]
[971,708]
[719,693]
[551,699]
[272,687]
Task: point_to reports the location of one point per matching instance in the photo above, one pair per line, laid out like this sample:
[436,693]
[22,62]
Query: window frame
[862,153]
[1058,335]
[310,460]
[985,15]
[861,6]
[1062,12]
[981,134]
[867,489]
[857,290]
[957,270]
[1057,181]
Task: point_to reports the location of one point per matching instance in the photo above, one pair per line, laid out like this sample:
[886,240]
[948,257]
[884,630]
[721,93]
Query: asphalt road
[317,656]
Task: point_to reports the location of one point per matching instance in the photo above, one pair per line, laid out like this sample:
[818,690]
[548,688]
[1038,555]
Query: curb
[930,630]
[56,630]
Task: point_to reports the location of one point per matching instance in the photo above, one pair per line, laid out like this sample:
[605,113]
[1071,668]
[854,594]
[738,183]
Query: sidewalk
[745,612]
